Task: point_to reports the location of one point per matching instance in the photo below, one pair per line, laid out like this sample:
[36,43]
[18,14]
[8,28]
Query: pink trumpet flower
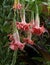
[15,42]
[16,45]
[29,41]
[17,5]
[13,46]
[37,29]
[23,25]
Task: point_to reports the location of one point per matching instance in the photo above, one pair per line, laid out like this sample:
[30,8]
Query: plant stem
[14,58]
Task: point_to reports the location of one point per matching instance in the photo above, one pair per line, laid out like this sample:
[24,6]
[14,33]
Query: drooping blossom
[16,45]
[15,42]
[23,25]
[28,41]
[17,5]
[13,46]
[37,29]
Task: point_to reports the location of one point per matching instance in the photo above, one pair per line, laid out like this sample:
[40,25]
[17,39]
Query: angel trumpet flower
[28,39]
[17,5]
[15,41]
[38,30]
[23,25]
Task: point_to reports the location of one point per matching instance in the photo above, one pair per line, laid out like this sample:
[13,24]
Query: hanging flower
[23,25]
[17,5]
[17,45]
[13,46]
[29,41]
[37,29]
[15,42]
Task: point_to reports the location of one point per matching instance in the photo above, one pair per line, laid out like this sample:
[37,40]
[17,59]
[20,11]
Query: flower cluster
[32,27]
